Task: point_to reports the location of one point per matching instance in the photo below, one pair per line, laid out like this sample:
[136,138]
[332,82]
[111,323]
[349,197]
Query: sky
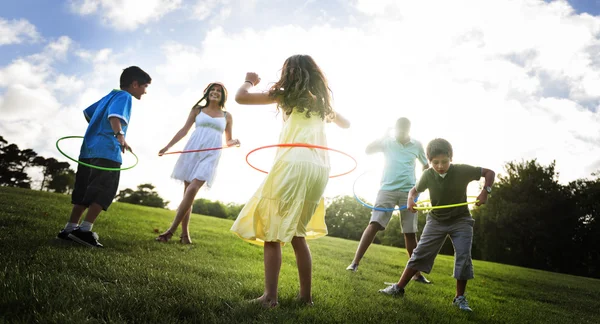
[501,80]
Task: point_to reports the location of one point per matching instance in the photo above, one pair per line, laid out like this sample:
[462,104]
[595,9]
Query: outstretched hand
[163,151]
[233,142]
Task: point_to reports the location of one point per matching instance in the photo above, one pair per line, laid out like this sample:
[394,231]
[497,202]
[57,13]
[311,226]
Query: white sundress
[202,165]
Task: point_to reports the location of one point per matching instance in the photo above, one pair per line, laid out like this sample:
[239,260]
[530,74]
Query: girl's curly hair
[303,87]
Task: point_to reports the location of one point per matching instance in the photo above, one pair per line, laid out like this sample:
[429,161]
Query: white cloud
[17,31]
[126,14]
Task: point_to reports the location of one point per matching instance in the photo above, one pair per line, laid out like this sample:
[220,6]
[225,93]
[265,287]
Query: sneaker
[64,235]
[352,267]
[393,290]
[462,303]
[85,238]
[421,279]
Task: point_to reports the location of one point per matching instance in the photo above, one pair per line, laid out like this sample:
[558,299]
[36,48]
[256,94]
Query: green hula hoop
[421,202]
[90,165]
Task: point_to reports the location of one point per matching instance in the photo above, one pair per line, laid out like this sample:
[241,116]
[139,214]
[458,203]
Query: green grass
[135,279]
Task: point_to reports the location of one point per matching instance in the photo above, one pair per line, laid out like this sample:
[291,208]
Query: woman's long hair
[205,96]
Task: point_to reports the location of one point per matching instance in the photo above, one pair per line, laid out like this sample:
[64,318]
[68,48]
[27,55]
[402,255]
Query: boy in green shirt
[447,184]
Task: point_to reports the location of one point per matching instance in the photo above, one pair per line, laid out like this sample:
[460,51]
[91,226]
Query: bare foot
[165,237]
[305,301]
[264,302]
[185,239]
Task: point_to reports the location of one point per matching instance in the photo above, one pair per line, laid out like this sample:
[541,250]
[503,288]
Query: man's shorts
[391,199]
[95,186]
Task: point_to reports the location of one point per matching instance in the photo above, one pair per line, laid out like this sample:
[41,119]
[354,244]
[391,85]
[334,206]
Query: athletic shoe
[85,238]
[352,267]
[462,303]
[421,279]
[393,290]
[64,235]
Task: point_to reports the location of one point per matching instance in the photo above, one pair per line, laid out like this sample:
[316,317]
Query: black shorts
[95,186]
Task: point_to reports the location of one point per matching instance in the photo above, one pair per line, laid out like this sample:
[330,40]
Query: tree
[346,218]
[144,195]
[586,194]
[13,162]
[528,220]
[57,176]
[63,181]
[209,208]
[233,210]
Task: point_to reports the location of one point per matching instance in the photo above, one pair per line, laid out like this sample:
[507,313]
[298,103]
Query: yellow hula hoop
[423,202]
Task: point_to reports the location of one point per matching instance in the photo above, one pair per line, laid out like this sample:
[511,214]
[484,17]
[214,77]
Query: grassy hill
[135,279]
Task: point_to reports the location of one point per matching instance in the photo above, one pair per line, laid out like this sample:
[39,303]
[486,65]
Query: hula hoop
[91,165]
[370,206]
[305,146]
[200,150]
[420,202]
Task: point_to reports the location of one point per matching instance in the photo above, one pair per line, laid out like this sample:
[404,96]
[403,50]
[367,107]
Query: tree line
[15,163]
[530,220]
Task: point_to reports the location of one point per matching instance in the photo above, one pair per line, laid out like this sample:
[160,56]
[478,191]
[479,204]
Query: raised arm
[181,133]
[244,97]
[377,145]
[341,121]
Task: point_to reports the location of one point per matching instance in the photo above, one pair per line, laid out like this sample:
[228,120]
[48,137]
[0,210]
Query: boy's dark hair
[437,147]
[403,121]
[134,73]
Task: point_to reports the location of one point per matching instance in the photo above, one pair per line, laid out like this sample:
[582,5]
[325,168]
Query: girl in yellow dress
[288,206]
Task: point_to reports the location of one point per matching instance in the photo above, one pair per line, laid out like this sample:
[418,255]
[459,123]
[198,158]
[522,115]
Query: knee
[375,227]
[193,188]
[462,253]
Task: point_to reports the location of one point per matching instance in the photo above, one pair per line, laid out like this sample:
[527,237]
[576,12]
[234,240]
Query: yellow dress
[289,202]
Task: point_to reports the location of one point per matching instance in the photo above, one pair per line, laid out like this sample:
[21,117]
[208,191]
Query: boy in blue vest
[447,184]
[103,143]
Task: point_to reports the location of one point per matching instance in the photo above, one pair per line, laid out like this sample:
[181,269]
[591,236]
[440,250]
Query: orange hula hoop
[305,146]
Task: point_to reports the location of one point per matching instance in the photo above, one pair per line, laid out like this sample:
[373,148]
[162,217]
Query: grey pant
[434,234]
[390,199]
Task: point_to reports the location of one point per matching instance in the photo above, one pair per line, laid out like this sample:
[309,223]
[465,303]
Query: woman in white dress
[199,168]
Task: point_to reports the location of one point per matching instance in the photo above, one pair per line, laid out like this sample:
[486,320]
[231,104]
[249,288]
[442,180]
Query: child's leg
[462,238]
[407,275]
[76,214]
[93,211]
[423,257]
[409,223]
[186,203]
[461,286]
[272,261]
[304,263]
[82,178]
